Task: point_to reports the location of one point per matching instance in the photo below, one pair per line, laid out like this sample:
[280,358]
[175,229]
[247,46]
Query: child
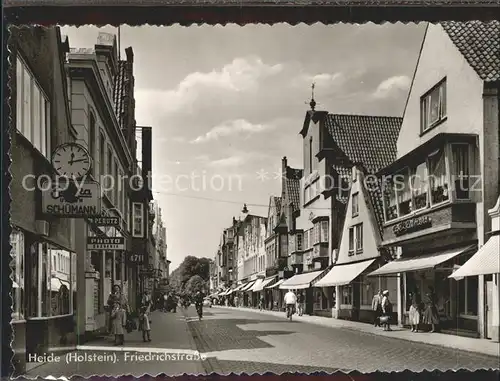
[118,323]
[145,326]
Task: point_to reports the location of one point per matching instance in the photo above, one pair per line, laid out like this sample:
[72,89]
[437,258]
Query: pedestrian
[431,315]
[236,301]
[300,303]
[386,311]
[118,322]
[117,296]
[145,324]
[377,308]
[414,314]
[290,301]
[261,303]
[165,302]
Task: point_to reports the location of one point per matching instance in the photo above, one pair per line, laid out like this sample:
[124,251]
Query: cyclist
[198,302]
[290,302]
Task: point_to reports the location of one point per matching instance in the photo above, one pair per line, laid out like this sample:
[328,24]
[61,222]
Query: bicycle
[289,311]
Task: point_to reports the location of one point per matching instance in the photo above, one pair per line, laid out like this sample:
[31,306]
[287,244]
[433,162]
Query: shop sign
[412,224]
[71,199]
[98,243]
[105,221]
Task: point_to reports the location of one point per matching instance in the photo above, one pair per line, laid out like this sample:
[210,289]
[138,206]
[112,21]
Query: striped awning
[485,261]
[256,285]
[248,286]
[239,287]
[274,285]
[264,283]
[300,281]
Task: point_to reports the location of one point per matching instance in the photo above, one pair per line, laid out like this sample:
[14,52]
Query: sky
[226,103]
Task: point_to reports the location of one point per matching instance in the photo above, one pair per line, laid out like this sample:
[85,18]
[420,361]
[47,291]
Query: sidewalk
[169,334]
[482,346]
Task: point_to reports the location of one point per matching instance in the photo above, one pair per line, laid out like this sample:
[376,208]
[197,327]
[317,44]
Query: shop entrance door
[489,308]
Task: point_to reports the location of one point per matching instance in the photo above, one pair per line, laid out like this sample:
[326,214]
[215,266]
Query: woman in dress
[414,311]
[431,316]
[117,297]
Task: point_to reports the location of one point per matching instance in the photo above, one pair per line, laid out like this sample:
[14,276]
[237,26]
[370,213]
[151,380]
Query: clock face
[71,160]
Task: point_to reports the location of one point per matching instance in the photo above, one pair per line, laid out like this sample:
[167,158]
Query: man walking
[377,308]
[300,303]
[290,302]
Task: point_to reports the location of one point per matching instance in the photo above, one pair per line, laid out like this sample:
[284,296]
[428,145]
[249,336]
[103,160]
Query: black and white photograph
[254,198]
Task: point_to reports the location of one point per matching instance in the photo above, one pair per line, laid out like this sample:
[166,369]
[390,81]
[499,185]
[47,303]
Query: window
[355,204]
[351,240]
[359,237]
[391,209]
[433,106]
[403,192]
[138,220]
[127,214]
[347,294]
[419,186]
[324,231]
[122,193]
[438,182]
[306,240]
[32,109]
[467,296]
[460,171]
[102,155]
[300,241]
[316,233]
[17,253]
[109,174]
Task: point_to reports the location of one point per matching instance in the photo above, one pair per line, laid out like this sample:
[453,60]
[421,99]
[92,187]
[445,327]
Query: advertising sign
[71,199]
[136,258]
[105,221]
[98,243]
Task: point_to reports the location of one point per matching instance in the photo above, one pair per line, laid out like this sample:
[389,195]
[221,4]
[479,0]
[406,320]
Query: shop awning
[256,286]
[264,283]
[485,261]
[64,282]
[55,284]
[300,281]
[278,283]
[340,275]
[419,263]
[239,287]
[248,286]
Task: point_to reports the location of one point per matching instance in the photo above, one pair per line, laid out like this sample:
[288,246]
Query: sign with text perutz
[105,221]
[107,243]
[71,199]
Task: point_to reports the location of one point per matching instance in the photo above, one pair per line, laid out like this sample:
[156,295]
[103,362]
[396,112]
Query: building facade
[44,308]
[450,140]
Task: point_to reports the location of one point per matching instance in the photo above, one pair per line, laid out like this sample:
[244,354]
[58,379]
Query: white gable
[439,59]
[371,235]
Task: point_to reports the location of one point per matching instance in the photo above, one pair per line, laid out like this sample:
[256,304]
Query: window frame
[358,239]
[425,102]
[43,146]
[140,217]
[453,175]
[355,205]
[352,241]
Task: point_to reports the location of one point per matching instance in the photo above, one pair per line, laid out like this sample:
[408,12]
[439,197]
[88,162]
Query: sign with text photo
[99,243]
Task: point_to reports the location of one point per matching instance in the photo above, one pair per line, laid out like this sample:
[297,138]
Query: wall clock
[71,160]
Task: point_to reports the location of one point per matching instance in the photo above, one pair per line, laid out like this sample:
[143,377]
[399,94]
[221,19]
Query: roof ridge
[367,116]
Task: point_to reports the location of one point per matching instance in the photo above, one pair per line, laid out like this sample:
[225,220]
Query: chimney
[130,54]
[284,165]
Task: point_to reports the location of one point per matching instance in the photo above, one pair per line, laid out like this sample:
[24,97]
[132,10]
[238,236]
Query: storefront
[486,262]
[261,292]
[302,283]
[274,295]
[247,294]
[352,289]
[44,296]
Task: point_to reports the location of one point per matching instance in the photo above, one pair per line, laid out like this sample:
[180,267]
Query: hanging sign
[136,258]
[98,243]
[105,221]
[71,199]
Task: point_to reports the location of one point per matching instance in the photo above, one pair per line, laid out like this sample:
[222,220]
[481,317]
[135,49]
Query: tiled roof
[369,140]
[120,91]
[374,189]
[479,43]
[293,177]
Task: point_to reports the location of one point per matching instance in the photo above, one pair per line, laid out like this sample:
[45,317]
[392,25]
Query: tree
[195,284]
[190,267]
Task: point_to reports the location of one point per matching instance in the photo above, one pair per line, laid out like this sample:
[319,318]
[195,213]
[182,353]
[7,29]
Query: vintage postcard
[254,198]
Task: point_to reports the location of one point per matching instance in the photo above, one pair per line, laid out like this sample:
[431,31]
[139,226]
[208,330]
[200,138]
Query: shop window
[433,106]
[461,173]
[138,220]
[419,186]
[347,294]
[403,192]
[32,109]
[355,204]
[467,296]
[390,207]
[438,182]
[17,253]
[368,289]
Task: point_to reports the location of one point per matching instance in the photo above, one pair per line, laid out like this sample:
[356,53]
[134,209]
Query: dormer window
[433,106]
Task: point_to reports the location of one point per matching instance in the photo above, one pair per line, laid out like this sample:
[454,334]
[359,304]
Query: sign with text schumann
[71,199]
[98,243]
